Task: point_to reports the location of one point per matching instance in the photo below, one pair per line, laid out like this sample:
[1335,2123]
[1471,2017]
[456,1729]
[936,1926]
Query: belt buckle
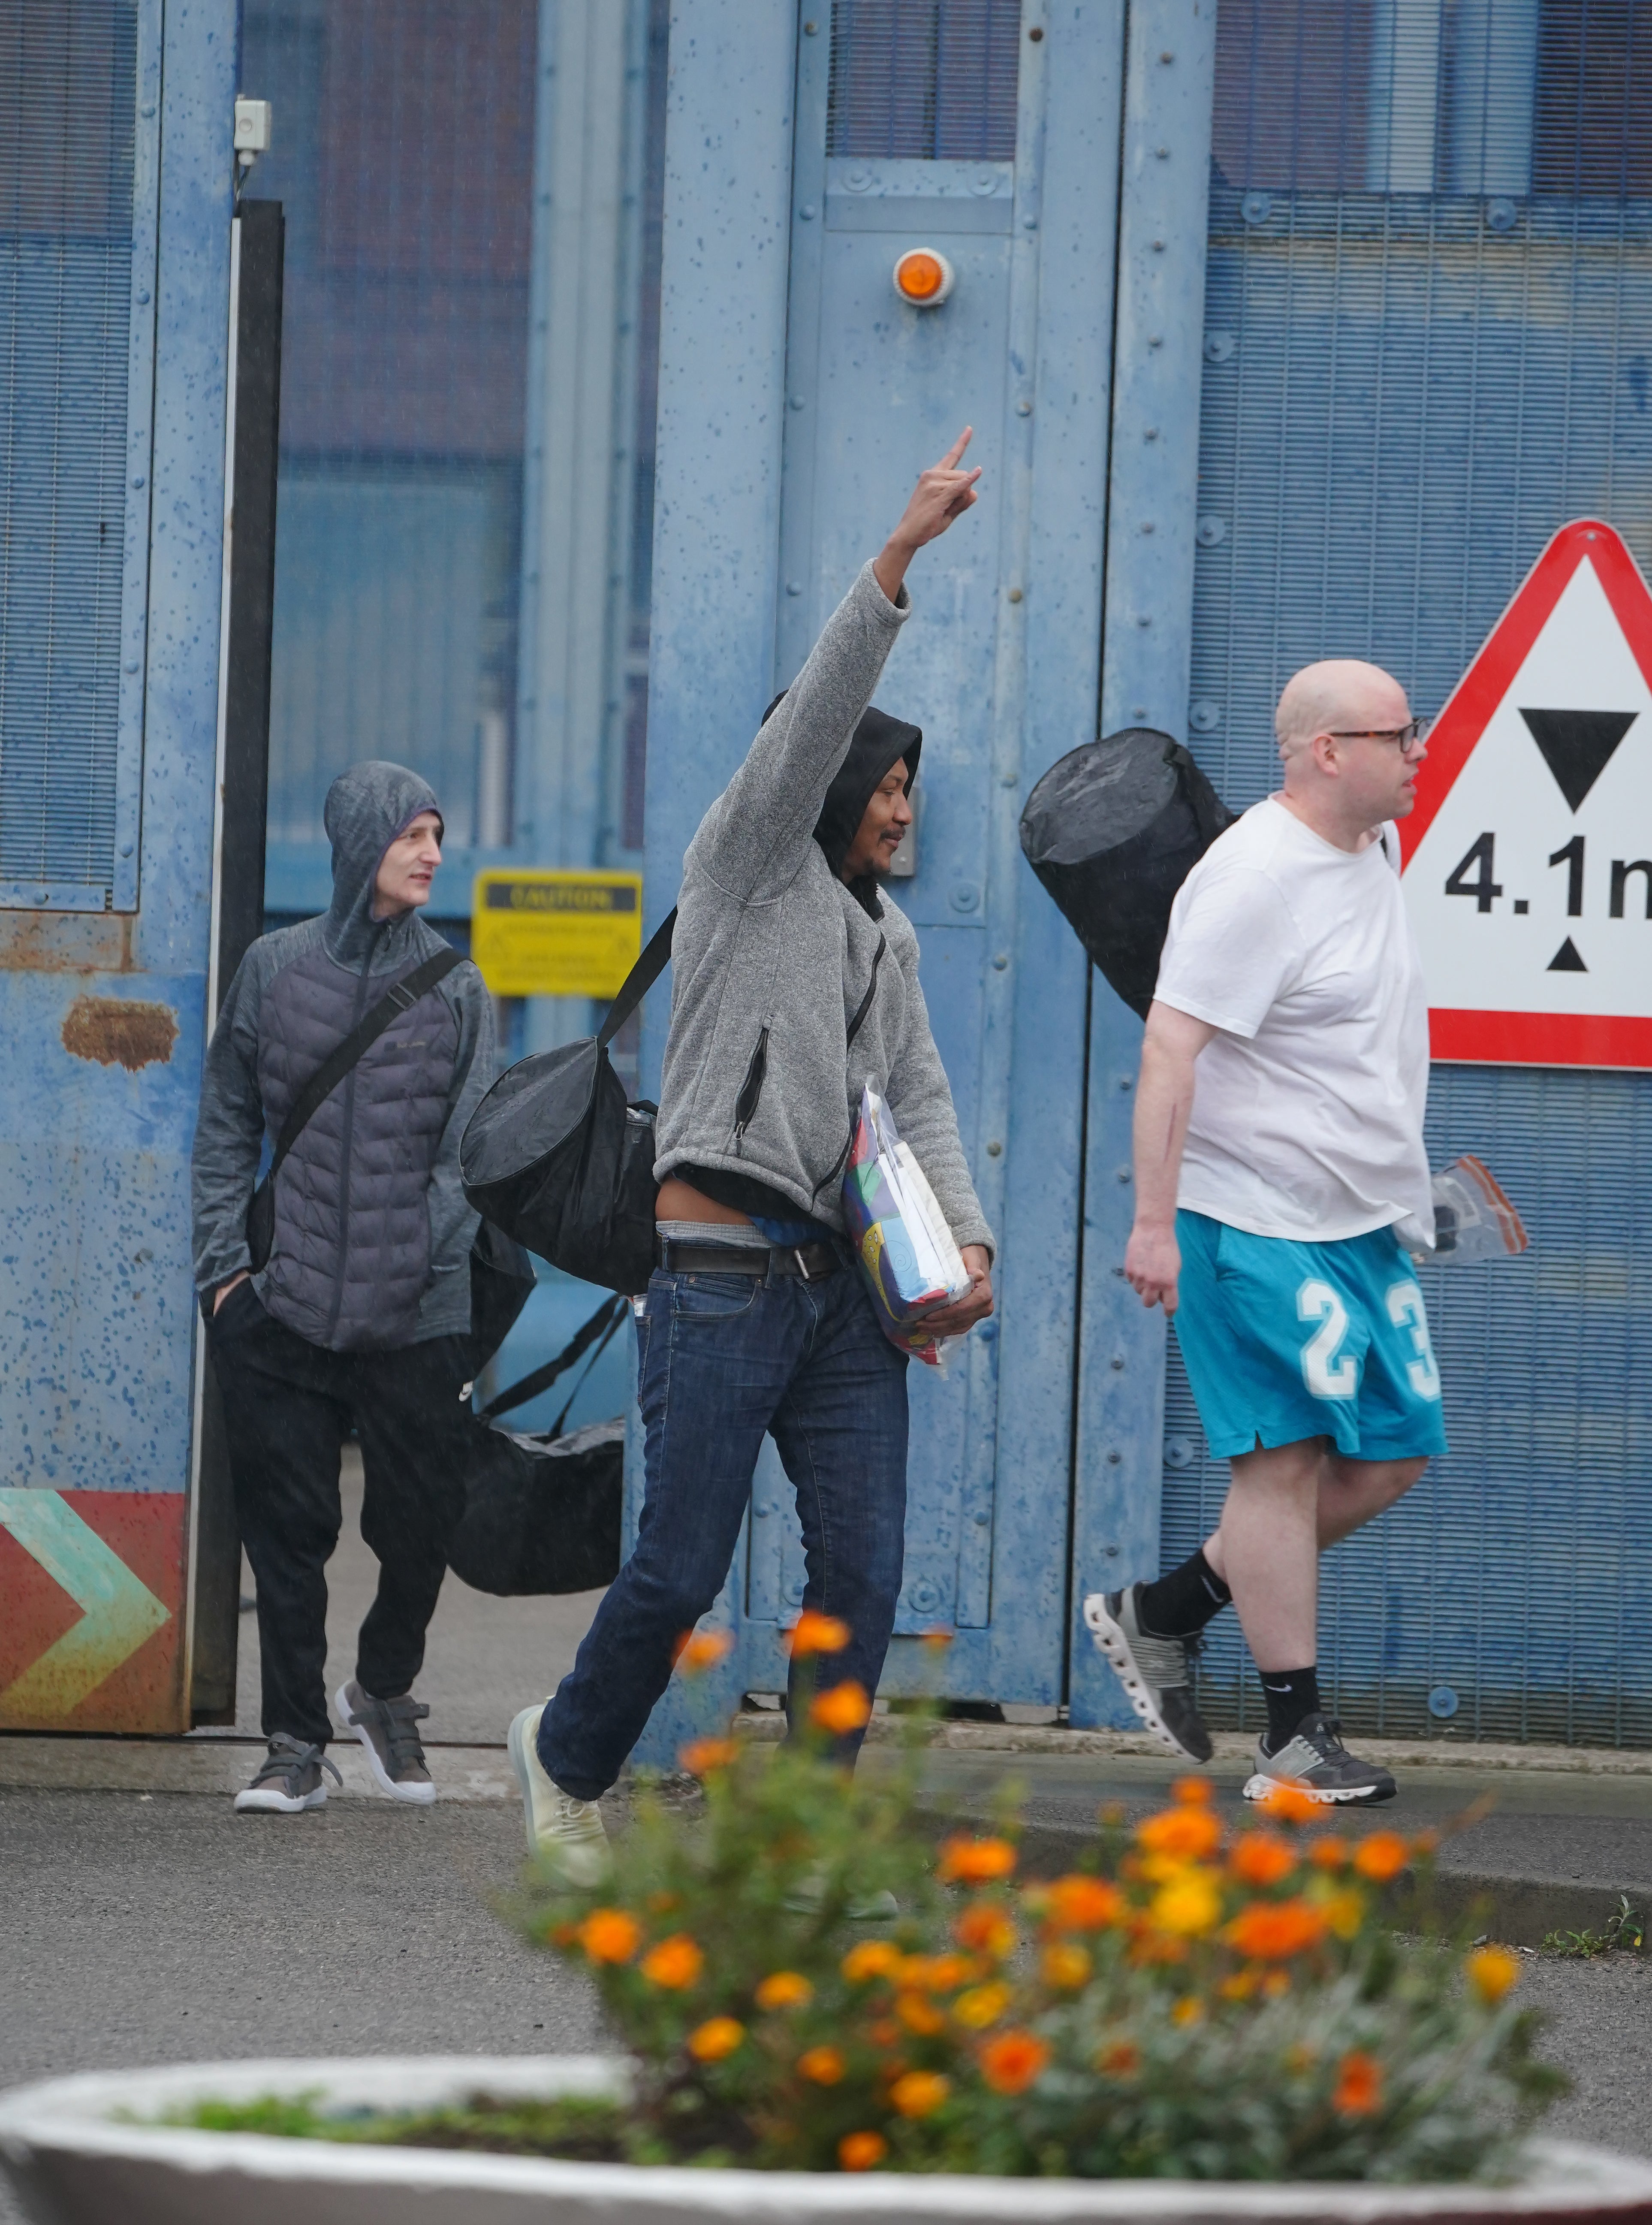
[802,1265]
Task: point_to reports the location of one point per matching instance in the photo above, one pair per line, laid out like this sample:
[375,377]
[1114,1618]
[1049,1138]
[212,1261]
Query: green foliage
[1626,1930]
[576,2128]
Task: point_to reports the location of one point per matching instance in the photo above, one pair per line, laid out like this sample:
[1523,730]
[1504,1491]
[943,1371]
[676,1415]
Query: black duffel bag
[542,1510]
[1113,830]
[555,1156]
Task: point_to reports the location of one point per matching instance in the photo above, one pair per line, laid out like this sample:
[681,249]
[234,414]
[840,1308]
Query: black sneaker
[290,1780]
[1316,1761]
[389,1729]
[1156,1673]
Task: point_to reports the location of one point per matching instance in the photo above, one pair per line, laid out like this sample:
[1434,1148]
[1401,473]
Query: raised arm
[1164,1101]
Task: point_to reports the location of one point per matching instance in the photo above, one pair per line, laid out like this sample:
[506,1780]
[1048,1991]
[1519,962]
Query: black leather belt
[810,1261]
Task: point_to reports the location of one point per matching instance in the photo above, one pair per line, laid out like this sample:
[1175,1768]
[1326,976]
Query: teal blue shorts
[1285,1340]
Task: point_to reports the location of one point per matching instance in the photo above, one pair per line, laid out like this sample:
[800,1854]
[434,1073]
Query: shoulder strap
[396,999]
[640,979]
[607,1316]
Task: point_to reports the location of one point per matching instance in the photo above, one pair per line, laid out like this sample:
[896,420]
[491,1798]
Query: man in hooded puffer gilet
[361,1315]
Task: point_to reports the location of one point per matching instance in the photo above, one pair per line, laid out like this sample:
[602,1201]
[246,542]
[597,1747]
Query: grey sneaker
[389,1729]
[565,1831]
[290,1780]
[1317,1763]
[1156,1673]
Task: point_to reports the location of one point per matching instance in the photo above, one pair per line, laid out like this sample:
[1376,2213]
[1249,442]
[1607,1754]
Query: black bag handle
[603,1343]
[607,1316]
[640,979]
[400,997]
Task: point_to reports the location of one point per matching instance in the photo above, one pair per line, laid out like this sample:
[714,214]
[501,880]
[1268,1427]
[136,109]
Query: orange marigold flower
[1189,1905]
[817,1634]
[1078,1903]
[862,2151]
[985,1929]
[920,2092]
[717,2037]
[1491,1971]
[1288,1804]
[1192,1792]
[784,1989]
[846,1707]
[674,1963]
[1186,1835]
[1269,1931]
[610,1934]
[1359,2085]
[1120,2058]
[1188,2010]
[936,1974]
[822,2066]
[918,2013]
[873,1958]
[702,1648]
[975,1862]
[1329,1853]
[703,1755]
[1261,1857]
[983,2005]
[1011,2061]
[1066,1965]
[1381,1856]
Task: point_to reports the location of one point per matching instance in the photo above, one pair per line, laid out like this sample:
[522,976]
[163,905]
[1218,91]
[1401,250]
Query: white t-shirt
[1308,1105]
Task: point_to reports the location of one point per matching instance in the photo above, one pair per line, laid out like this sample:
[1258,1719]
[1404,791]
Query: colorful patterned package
[907,1253]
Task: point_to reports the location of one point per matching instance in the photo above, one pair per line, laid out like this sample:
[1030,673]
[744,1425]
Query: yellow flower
[1344,1911]
[983,2005]
[1189,1905]
[822,2066]
[1188,2010]
[674,1963]
[1066,1965]
[873,1958]
[717,2037]
[608,1935]
[1491,1971]
[920,2092]
[846,1707]
[784,1989]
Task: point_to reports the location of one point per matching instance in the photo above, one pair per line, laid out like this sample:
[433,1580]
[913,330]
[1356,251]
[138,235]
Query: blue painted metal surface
[103,1017]
[1153,501]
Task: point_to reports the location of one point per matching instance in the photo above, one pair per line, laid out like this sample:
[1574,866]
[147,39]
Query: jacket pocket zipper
[745,1106]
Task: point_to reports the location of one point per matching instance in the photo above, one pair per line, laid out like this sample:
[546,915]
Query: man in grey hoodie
[361,1315]
[794,980]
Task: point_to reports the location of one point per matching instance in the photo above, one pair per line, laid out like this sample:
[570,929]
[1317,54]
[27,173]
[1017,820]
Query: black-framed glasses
[1402,738]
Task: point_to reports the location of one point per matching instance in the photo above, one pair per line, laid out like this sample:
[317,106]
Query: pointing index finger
[949,461]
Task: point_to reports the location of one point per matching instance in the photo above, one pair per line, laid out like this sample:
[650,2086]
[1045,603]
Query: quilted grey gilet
[352,1255]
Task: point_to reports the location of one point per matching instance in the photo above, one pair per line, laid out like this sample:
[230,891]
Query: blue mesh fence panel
[68,111]
[934,80]
[1406,391]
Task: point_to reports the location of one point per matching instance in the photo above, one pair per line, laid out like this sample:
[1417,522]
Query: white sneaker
[289,1781]
[563,1830]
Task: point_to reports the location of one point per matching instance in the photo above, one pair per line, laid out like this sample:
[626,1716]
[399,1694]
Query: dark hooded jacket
[372,1232]
[775,959]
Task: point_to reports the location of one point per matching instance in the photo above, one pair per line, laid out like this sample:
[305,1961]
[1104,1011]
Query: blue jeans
[721,1359]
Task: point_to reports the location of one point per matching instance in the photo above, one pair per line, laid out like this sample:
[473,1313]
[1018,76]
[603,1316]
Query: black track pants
[287,1408]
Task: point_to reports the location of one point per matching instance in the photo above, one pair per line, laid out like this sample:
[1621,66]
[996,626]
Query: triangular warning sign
[1528,861]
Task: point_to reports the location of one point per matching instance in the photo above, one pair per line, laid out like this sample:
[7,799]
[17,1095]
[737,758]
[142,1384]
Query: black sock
[1292,1694]
[1183,1601]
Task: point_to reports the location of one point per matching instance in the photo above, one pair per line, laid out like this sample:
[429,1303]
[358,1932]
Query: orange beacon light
[924,278]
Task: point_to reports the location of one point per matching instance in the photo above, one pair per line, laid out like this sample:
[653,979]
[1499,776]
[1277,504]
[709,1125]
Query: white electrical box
[251,127]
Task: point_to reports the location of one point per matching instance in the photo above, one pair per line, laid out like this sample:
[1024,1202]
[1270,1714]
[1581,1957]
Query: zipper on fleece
[745,1105]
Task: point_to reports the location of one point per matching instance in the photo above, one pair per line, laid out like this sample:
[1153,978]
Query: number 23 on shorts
[1330,1373]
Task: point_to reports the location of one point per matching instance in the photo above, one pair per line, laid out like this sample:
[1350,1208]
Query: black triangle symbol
[1577,745]
[1566,958]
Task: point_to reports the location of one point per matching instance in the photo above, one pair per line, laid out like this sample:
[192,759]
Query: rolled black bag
[542,1510]
[1113,830]
[555,1156]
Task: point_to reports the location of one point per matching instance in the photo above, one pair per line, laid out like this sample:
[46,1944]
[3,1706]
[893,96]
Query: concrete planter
[74,2163]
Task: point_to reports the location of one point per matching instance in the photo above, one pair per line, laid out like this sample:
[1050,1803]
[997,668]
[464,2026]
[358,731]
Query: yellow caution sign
[543,934]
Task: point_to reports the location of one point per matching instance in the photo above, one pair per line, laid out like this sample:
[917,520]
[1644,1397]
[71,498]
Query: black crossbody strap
[640,979]
[607,1316]
[865,1004]
[397,1000]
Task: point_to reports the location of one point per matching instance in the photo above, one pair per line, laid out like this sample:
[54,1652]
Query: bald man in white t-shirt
[1280,1187]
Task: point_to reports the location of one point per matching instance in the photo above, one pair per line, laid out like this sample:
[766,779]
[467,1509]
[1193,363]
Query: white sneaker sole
[416,1796]
[270,1803]
[1259,1786]
[1114,1649]
[524,1762]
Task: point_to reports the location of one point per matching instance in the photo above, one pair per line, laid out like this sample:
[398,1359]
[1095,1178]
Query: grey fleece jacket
[372,1231]
[773,955]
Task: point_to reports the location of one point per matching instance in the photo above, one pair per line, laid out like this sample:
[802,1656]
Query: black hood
[879,741]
